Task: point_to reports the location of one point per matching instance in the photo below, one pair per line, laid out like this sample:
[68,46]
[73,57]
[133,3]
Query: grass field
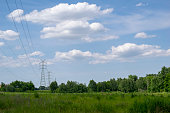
[84,103]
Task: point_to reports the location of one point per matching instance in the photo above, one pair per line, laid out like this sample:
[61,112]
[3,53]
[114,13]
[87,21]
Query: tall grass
[82,103]
[151,105]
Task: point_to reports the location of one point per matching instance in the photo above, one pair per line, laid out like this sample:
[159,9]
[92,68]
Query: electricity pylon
[43,66]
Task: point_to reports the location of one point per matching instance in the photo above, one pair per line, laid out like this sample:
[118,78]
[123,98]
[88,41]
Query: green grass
[84,103]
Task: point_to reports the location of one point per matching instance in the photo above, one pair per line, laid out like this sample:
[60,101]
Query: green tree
[82,88]
[118,83]
[92,86]
[102,86]
[167,83]
[10,88]
[148,81]
[113,85]
[3,87]
[53,86]
[127,85]
[133,77]
[22,86]
[141,84]
[62,88]
[156,84]
[162,74]
[72,87]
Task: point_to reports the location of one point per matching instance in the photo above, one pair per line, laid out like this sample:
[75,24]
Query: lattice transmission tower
[43,66]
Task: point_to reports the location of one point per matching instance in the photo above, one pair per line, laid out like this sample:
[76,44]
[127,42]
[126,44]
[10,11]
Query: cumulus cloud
[72,29]
[36,53]
[1,43]
[66,21]
[8,35]
[126,52]
[62,11]
[144,35]
[16,15]
[21,60]
[72,55]
[17,62]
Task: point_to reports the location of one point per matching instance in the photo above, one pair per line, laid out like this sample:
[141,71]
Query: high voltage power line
[20,37]
[32,46]
[13,53]
[22,25]
[29,41]
[7,68]
[29,34]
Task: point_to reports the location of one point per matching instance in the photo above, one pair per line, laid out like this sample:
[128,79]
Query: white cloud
[126,52]
[72,55]
[144,35]
[72,29]
[1,43]
[111,37]
[66,21]
[18,62]
[36,53]
[21,60]
[8,35]
[63,12]
[16,15]
[140,4]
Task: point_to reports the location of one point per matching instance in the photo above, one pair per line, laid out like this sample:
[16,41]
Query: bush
[36,95]
[10,88]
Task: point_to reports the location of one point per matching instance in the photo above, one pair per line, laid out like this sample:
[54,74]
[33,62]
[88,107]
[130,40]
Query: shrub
[36,95]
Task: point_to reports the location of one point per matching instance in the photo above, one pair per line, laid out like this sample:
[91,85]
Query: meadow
[106,102]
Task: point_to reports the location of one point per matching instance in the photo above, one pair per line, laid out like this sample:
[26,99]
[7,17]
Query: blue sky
[83,39]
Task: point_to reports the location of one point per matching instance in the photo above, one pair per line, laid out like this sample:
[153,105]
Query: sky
[82,40]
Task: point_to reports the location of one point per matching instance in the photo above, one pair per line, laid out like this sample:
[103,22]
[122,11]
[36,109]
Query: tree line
[150,83]
[17,86]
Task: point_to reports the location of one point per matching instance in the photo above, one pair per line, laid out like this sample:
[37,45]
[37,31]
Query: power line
[28,27]
[8,58]
[19,36]
[14,54]
[23,27]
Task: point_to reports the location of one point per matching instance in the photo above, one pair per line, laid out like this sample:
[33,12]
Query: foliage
[92,86]
[36,95]
[127,85]
[141,84]
[72,87]
[152,83]
[113,85]
[17,86]
[53,86]
[10,88]
[167,82]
